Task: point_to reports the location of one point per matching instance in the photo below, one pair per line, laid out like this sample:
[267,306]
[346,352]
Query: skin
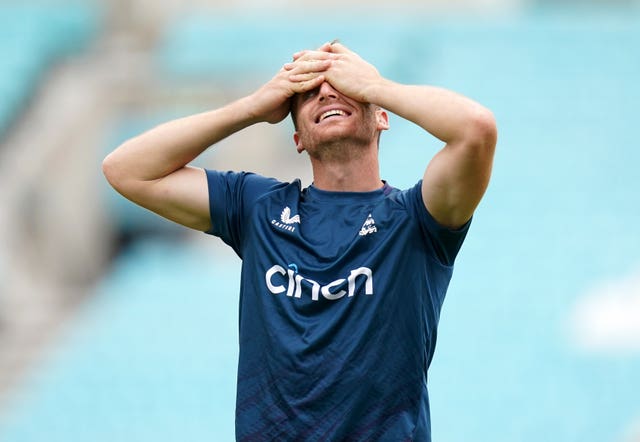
[152,169]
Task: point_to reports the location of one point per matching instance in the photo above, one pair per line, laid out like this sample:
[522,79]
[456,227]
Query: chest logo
[281,280]
[286,217]
[368,227]
[287,222]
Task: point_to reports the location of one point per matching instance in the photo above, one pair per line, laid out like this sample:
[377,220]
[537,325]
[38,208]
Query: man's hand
[347,72]
[272,100]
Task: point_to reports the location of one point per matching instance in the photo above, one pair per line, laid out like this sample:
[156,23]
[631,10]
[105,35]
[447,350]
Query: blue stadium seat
[238,48]
[151,358]
[32,37]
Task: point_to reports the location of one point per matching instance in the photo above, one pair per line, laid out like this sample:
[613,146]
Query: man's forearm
[445,114]
[170,146]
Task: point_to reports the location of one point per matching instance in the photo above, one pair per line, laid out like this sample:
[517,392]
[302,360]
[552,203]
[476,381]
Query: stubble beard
[345,146]
[342,148]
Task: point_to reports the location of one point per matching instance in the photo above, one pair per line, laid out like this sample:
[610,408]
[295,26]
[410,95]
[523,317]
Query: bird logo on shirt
[286,217]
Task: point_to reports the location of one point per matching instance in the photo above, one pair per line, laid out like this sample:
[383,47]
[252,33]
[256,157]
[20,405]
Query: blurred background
[118,326]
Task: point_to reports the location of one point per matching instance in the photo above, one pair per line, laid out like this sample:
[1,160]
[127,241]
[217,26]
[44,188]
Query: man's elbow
[482,131]
[109,169]
[112,171]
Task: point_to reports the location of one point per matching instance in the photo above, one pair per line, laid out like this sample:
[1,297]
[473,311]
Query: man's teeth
[331,113]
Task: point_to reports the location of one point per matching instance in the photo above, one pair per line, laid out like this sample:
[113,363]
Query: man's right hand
[271,103]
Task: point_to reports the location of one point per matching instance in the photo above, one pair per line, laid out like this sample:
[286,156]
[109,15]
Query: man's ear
[382,119]
[296,139]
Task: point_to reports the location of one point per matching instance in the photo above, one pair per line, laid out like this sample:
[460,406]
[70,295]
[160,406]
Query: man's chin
[339,148]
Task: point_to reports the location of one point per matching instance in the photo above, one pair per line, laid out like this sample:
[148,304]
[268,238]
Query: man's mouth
[332,113]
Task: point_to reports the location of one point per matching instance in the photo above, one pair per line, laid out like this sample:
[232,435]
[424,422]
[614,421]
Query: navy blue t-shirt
[339,304]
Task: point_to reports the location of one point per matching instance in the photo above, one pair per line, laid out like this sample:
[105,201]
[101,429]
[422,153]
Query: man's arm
[458,175]
[152,169]
[456,178]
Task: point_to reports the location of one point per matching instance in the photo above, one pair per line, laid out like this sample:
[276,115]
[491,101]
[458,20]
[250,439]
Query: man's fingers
[326,47]
[312,55]
[339,48]
[333,46]
[306,52]
[307,65]
[303,67]
[300,87]
[297,78]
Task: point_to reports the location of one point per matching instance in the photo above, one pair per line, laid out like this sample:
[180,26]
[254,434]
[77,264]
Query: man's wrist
[376,92]
[248,110]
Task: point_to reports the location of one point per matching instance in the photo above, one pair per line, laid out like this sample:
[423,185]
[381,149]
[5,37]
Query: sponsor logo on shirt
[287,222]
[281,280]
[368,227]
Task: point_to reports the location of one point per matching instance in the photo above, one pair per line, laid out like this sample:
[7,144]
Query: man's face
[328,122]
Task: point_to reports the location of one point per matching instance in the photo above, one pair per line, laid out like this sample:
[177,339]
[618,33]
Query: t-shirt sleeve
[231,198]
[444,243]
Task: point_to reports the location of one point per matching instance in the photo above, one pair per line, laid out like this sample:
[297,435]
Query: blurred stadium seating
[36,37]
[239,47]
[141,363]
[151,356]
[33,36]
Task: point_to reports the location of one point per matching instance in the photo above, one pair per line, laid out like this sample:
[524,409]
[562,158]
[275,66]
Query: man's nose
[327,91]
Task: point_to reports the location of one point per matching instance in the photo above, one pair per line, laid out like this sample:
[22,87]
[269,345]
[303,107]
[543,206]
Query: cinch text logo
[277,276]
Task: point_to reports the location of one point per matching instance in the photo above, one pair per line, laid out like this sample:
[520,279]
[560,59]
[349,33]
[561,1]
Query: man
[343,281]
